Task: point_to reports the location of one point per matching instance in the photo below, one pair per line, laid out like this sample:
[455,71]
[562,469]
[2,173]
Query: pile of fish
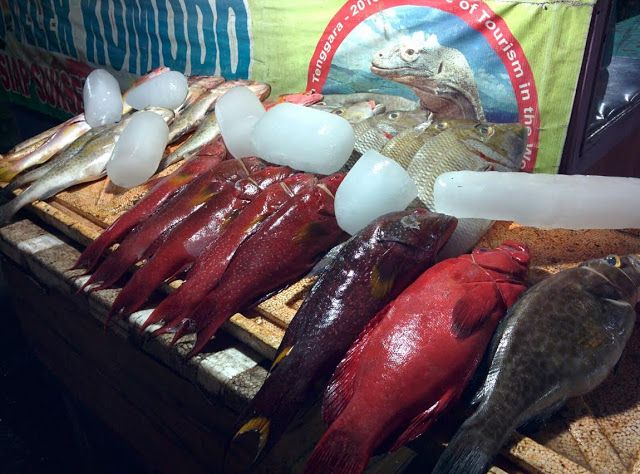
[399,318]
[74,153]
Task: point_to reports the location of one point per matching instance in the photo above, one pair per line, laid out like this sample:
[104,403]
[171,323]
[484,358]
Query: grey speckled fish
[560,340]
[89,164]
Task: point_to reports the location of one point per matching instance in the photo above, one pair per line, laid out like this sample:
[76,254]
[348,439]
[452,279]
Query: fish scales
[371,269]
[560,340]
[415,357]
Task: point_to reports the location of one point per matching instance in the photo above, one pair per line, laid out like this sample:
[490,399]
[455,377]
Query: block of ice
[102,99]
[237,112]
[540,200]
[139,149]
[304,138]
[167,90]
[376,185]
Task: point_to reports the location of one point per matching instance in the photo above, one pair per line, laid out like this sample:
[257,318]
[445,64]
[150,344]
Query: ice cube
[376,185]
[167,90]
[139,149]
[304,138]
[102,99]
[237,112]
[540,200]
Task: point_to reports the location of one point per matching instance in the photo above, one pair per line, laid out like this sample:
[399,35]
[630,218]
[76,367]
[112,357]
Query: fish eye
[394,115]
[338,112]
[484,129]
[614,261]
[441,125]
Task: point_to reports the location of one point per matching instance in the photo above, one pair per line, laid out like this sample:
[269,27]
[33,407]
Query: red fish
[136,245]
[302,98]
[162,190]
[212,263]
[187,240]
[416,356]
[283,249]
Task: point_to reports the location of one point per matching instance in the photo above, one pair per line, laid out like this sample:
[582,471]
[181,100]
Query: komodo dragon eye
[409,54]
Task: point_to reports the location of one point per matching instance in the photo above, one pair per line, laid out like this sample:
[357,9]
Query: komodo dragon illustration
[440,76]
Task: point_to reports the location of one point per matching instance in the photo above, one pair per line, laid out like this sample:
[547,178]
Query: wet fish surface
[371,269]
[560,340]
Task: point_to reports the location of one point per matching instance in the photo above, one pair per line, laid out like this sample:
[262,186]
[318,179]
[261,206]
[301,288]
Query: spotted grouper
[414,359]
[370,270]
[560,340]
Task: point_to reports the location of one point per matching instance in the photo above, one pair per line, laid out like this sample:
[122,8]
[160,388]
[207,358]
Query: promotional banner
[497,61]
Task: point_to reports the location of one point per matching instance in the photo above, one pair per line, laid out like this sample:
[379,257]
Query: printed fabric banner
[497,61]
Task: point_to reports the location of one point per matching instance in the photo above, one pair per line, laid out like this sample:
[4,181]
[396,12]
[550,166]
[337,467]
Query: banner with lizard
[500,61]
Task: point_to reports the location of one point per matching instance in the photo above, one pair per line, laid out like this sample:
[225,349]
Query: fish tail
[275,405]
[470,451]
[113,268]
[8,210]
[338,452]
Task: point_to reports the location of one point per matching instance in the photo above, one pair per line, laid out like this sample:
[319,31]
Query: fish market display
[186,242]
[541,200]
[375,186]
[286,245]
[22,148]
[87,165]
[160,193]
[66,134]
[414,359]
[370,270]
[213,261]
[137,244]
[102,99]
[303,138]
[139,149]
[167,90]
[560,340]
[237,113]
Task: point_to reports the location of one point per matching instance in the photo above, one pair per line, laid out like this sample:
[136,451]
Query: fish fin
[472,309]
[534,424]
[340,388]
[309,232]
[383,277]
[424,420]
[337,452]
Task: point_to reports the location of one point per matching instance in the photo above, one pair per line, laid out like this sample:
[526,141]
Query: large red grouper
[416,356]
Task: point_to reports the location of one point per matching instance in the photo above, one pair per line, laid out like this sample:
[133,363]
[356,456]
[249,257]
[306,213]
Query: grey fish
[390,102]
[560,340]
[62,138]
[30,176]
[450,150]
[89,164]
[375,132]
[208,131]
[356,112]
[192,116]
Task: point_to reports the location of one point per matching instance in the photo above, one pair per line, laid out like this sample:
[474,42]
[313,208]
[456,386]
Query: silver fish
[373,133]
[356,112]
[560,340]
[65,135]
[89,164]
[449,150]
[193,115]
[390,102]
[208,131]
[68,153]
